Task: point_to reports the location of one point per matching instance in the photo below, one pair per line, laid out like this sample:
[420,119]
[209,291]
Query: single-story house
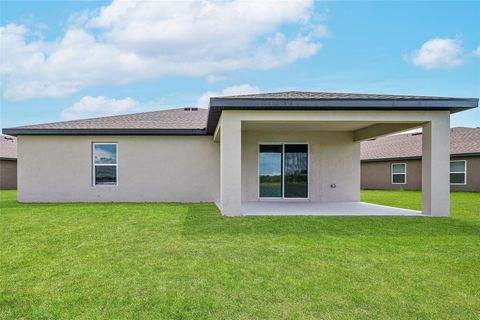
[8,163]
[395,162]
[243,153]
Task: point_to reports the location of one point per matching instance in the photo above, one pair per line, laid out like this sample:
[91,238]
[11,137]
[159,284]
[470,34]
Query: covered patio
[321,134]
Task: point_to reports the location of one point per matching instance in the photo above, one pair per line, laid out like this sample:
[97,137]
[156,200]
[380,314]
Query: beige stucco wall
[8,174]
[169,168]
[376,175]
[334,159]
[151,168]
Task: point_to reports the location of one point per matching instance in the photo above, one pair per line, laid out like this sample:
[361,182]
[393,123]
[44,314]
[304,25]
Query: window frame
[94,165]
[464,173]
[391,173]
[282,172]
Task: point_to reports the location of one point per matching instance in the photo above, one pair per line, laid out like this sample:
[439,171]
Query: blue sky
[67,60]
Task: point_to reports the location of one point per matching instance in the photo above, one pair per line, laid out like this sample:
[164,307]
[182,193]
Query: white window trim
[283,176]
[391,173]
[464,173]
[104,164]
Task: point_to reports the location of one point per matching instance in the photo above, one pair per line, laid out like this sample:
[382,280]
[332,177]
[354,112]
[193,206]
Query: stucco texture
[150,169]
[178,169]
[325,150]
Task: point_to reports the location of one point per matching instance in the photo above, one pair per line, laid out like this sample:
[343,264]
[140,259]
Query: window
[283,171]
[105,164]
[399,173]
[458,172]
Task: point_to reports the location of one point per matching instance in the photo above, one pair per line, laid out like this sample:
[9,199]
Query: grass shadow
[206,220]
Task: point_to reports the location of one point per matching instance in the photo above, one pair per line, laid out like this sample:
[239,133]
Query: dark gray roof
[300,100]
[8,147]
[173,121]
[202,121]
[463,141]
[305,95]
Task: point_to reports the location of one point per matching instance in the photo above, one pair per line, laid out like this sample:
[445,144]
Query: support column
[436,167]
[230,165]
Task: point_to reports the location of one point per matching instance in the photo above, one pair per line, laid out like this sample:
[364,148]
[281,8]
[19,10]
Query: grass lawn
[178,261]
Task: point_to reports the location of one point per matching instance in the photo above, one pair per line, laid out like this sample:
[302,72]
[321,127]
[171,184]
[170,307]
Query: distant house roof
[463,141]
[202,121]
[8,148]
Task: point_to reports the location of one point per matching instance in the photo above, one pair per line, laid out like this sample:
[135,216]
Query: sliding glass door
[270,171]
[295,171]
[283,171]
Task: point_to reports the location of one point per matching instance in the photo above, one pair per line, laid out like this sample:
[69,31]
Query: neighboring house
[8,163]
[281,147]
[395,162]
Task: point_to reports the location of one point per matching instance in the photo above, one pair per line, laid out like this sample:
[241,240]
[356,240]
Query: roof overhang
[217,105]
[169,132]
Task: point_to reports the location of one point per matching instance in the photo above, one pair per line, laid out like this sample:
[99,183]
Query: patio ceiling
[362,130]
[310,125]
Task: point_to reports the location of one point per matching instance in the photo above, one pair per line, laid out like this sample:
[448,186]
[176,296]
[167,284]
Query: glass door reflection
[270,170]
[283,171]
[295,171]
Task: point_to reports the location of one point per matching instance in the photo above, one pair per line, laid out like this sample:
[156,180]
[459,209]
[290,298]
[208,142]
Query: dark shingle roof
[202,121]
[462,141]
[164,119]
[8,147]
[300,100]
[305,95]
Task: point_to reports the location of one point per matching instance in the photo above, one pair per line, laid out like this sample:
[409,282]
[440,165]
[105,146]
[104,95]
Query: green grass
[177,261]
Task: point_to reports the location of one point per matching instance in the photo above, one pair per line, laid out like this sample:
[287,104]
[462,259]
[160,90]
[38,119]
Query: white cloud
[321,31]
[204,100]
[89,107]
[477,51]
[39,69]
[128,41]
[439,53]
[278,51]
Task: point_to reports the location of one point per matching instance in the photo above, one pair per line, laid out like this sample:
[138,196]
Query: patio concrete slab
[286,208]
